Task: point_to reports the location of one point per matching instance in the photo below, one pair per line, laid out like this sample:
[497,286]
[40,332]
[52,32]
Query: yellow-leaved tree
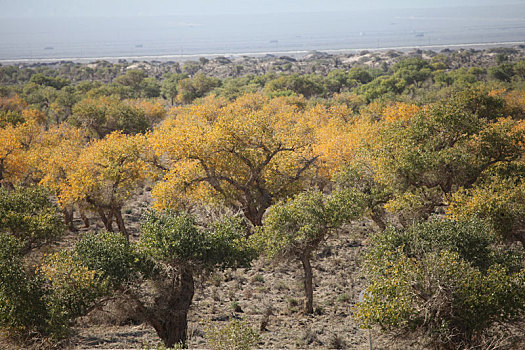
[52,157]
[15,145]
[105,175]
[245,154]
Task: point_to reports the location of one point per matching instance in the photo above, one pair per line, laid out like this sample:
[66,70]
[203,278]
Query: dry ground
[248,294]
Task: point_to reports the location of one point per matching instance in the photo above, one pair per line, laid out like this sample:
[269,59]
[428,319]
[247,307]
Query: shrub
[22,309]
[235,335]
[30,215]
[42,302]
[448,281]
[70,290]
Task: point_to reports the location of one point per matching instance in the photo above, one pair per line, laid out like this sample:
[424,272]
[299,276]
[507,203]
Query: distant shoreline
[292,53]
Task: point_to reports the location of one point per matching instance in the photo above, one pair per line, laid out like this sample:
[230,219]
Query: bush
[71,289]
[30,215]
[450,282]
[22,309]
[43,302]
[235,335]
[110,255]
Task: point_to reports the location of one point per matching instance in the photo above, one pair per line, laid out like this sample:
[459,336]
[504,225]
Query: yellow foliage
[239,152]
[15,145]
[106,171]
[54,154]
[400,111]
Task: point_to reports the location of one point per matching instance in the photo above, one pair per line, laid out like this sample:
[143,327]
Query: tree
[29,215]
[503,72]
[440,149]
[246,154]
[133,78]
[104,115]
[294,229]
[500,200]
[105,176]
[449,282]
[169,88]
[191,88]
[150,88]
[173,249]
[11,109]
[39,298]
[413,70]
[306,85]
[15,143]
[44,80]
[52,157]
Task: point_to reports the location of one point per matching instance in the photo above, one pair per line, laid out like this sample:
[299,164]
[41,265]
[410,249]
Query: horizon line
[186,57]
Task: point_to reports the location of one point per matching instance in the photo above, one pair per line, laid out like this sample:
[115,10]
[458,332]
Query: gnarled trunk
[68,218]
[85,219]
[170,315]
[308,284]
[107,220]
[117,213]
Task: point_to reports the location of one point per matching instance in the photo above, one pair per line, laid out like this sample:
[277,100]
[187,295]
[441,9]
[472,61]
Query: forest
[265,203]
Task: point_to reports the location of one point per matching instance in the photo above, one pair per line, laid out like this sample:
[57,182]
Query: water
[193,36]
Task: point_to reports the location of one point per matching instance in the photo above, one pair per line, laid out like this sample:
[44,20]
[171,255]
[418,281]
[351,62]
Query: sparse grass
[236,307]
[258,278]
[343,298]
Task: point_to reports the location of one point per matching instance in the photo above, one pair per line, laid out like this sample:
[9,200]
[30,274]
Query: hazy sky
[75,8]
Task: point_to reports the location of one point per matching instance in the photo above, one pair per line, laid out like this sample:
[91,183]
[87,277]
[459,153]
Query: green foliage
[43,302]
[413,70]
[442,148]
[503,72]
[30,215]
[383,86]
[177,238]
[499,200]
[22,308]
[306,85]
[190,89]
[448,281]
[169,88]
[235,335]
[300,224]
[70,288]
[111,255]
[104,115]
[44,80]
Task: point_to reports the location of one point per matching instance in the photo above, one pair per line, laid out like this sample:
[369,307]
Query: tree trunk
[107,221]
[117,213]
[308,285]
[377,216]
[169,319]
[254,216]
[85,219]
[68,218]
[520,237]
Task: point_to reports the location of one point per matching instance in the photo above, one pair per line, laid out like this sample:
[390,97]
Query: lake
[171,37]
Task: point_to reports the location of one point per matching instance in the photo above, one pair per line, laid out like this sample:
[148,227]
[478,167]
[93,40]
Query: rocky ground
[249,294]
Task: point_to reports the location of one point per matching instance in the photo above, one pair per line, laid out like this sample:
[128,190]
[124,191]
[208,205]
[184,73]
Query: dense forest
[382,188]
